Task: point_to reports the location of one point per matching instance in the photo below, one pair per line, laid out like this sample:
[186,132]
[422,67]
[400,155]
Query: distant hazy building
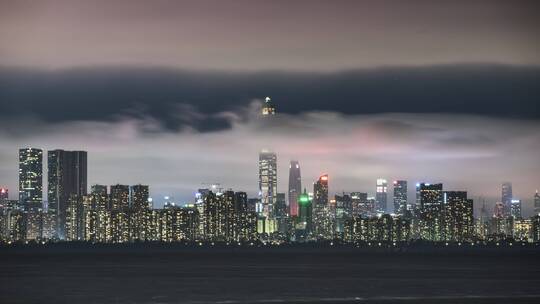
[31,178]
[267,183]
[295,187]
[280,210]
[4,194]
[400,196]
[506,197]
[537,203]
[498,210]
[66,176]
[417,201]
[381,196]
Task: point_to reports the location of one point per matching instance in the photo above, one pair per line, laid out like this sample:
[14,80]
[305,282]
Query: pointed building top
[268,108]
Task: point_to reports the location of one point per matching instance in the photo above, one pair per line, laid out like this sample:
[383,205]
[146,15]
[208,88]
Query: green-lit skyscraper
[304,219]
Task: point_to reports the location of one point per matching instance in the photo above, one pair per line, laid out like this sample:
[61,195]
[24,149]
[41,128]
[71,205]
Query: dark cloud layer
[172,97]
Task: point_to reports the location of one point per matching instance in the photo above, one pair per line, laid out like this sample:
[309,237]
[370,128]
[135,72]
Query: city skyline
[269,151]
[267,162]
[127,213]
[177,123]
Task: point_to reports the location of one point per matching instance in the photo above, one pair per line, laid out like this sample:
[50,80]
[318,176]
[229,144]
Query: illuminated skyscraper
[431,208]
[322,217]
[139,215]
[381,196]
[400,196]
[66,176]
[213,218]
[304,220]
[31,178]
[506,197]
[73,225]
[267,183]
[361,205]
[295,187]
[268,108]
[458,212]
[245,221]
[515,208]
[417,201]
[320,191]
[99,207]
[537,203]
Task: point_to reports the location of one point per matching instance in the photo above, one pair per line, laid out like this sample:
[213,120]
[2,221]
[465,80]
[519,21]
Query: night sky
[166,93]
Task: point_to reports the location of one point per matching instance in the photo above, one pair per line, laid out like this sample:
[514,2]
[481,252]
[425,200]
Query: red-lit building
[4,193]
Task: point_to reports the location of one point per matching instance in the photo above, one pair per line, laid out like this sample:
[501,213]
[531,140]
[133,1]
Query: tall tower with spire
[267,171]
[268,108]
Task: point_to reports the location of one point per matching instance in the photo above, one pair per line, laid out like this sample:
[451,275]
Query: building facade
[31,178]
[381,195]
[537,203]
[267,183]
[506,197]
[66,176]
[400,196]
[431,212]
[295,187]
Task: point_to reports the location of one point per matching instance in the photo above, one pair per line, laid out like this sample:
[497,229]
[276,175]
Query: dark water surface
[57,274]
